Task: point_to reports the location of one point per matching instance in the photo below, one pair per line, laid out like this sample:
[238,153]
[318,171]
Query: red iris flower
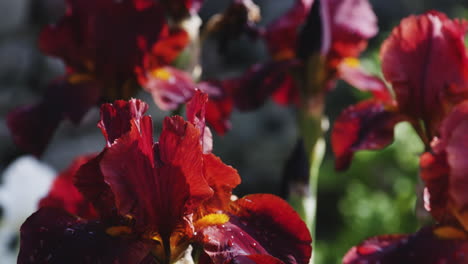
[331,32]
[103,43]
[153,200]
[426,63]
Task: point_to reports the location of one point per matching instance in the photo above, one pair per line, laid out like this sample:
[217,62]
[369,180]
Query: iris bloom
[426,63]
[104,44]
[310,45]
[153,200]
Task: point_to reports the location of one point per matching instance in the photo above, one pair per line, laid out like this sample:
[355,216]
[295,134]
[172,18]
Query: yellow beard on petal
[210,220]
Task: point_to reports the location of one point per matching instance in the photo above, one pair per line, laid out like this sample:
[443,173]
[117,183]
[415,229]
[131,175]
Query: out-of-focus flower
[426,63]
[432,245]
[444,170]
[104,45]
[25,181]
[308,46]
[155,199]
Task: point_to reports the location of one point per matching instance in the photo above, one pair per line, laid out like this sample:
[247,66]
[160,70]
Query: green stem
[310,116]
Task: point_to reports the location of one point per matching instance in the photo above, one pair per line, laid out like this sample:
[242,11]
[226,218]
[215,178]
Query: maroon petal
[281,34]
[90,182]
[222,179]
[414,60]
[450,156]
[260,224]
[52,236]
[171,170]
[259,82]
[116,118]
[196,109]
[69,97]
[421,247]
[365,126]
[255,259]
[351,72]
[219,106]
[169,87]
[108,39]
[65,195]
[351,23]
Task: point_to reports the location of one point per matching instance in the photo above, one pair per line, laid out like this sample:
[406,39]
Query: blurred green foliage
[378,196]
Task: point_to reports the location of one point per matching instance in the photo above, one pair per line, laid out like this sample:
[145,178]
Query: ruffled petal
[222,179]
[53,236]
[172,171]
[365,126]
[65,195]
[259,224]
[196,109]
[169,87]
[70,97]
[445,171]
[421,247]
[219,106]
[415,59]
[351,72]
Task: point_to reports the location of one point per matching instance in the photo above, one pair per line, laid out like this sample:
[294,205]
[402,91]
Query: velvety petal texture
[65,195]
[425,60]
[367,125]
[259,224]
[154,199]
[53,236]
[422,247]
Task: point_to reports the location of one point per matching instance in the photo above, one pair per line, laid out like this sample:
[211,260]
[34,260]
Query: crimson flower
[425,61]
[103,43]
[153,200]
[328,34]
[432,97]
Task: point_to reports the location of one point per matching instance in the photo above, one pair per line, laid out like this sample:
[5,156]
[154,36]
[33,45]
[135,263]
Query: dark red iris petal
[33,126]
[365,126]
[281,34]
[360,79]
[222,179]
[169,87]
[444,170]
[414,60]
[351,24]
[106,38]
[252,89]
[196,112]
[259,224]
[65,195]
[219,106]
[421,247]
[172,172]
[255,259]
[53,236]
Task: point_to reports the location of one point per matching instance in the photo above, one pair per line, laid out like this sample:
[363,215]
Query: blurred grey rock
[13,14]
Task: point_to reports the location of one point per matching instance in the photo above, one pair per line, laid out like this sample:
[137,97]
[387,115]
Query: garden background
[376,196]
